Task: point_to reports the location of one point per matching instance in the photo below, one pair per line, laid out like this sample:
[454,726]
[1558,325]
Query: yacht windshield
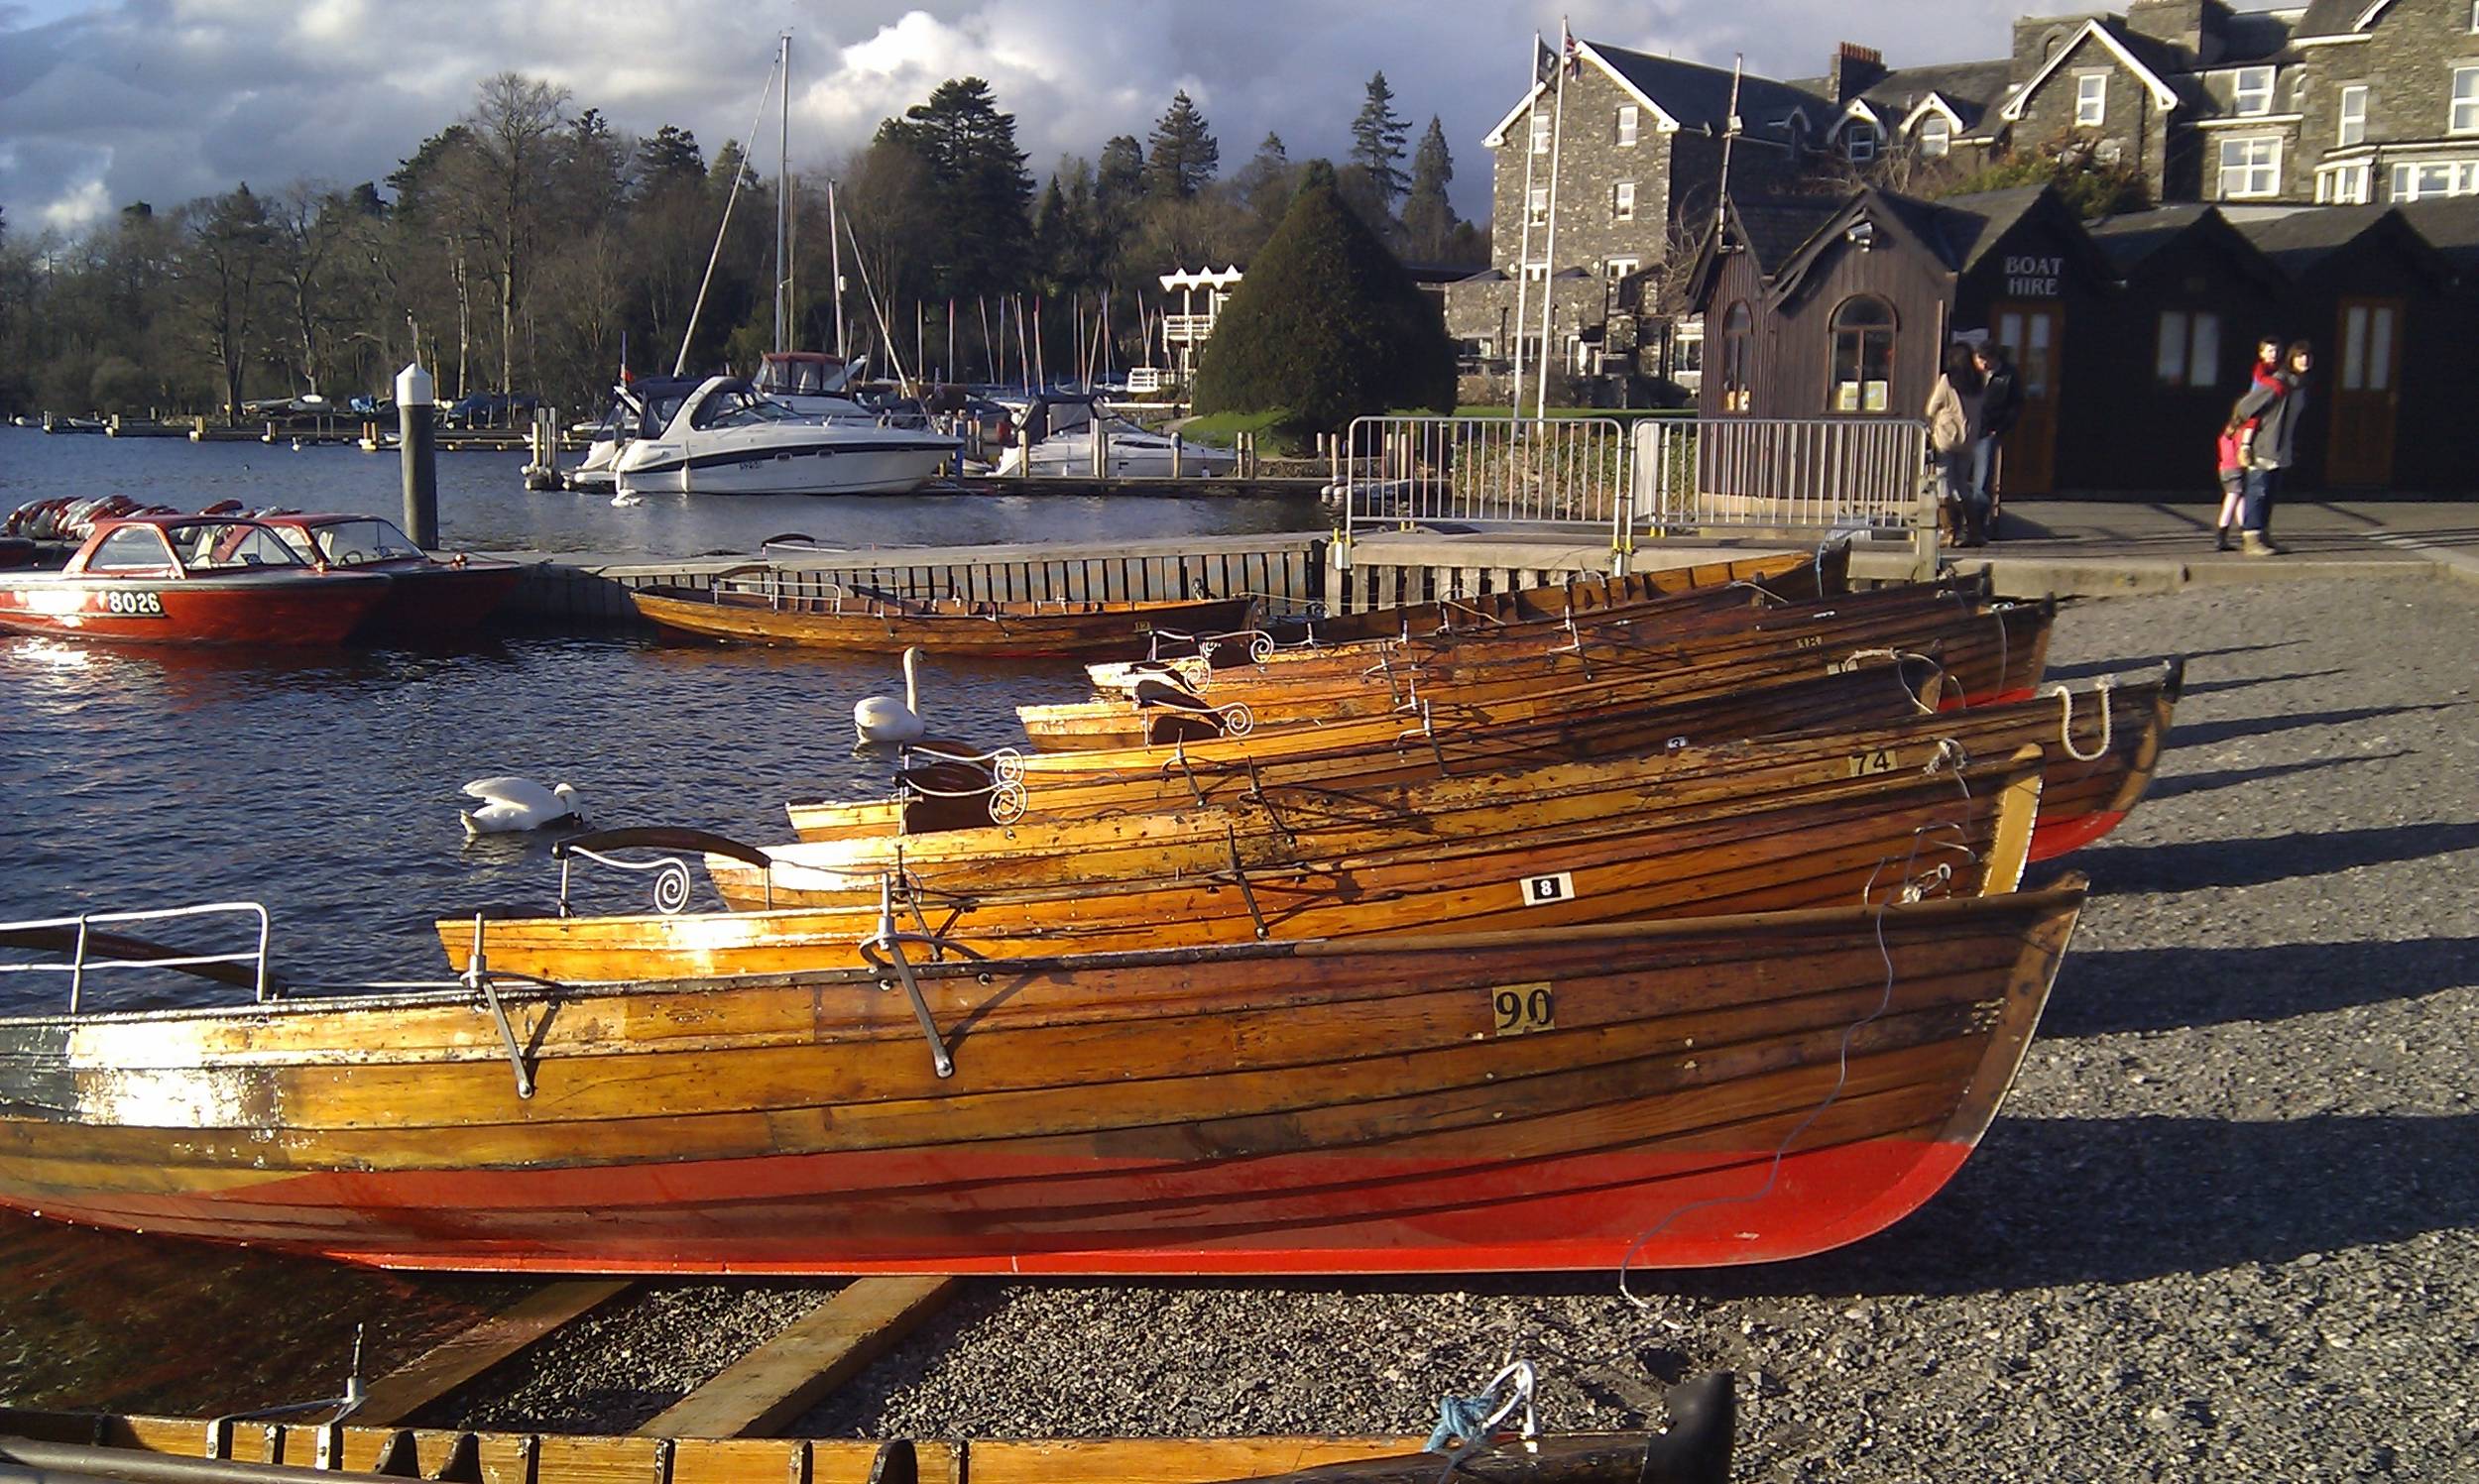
[735,408]
[354,543]
[229,546]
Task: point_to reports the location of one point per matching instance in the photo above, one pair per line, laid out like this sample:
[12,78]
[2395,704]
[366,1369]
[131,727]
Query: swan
[297,445]
[883,719]
[517,804]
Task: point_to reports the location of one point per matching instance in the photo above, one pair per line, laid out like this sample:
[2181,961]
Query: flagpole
[1549,249]
[1523,258]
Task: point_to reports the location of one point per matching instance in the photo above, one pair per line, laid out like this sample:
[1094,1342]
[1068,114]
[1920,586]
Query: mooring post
[415,412]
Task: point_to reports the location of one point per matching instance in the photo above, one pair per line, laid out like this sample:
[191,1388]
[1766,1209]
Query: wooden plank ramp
[774,1384]
[452,1363]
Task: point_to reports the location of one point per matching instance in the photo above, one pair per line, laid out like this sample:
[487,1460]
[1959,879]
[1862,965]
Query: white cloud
[81,208]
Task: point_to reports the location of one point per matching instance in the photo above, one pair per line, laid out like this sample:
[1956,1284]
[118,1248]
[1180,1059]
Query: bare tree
[305,231]
[517,124]
[222,268]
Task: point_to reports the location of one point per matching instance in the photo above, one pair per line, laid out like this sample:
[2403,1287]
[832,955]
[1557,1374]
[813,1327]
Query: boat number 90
[1520,1009]
[146,604]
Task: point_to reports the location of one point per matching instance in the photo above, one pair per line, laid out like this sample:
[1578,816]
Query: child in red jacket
[2233,471]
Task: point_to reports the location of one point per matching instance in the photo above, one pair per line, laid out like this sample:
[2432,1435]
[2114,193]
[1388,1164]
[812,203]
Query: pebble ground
[2227,1226]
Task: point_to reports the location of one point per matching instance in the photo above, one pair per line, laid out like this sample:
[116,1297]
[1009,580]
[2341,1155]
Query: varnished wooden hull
[1756,842]
[1447,741]
[1984,654]
[942,625]
[1733,1089]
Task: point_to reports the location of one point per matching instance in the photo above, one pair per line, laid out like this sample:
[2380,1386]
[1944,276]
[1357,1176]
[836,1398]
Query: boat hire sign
[2029,277]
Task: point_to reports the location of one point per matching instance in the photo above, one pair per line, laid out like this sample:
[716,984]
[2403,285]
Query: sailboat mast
[783,196]
[836,238]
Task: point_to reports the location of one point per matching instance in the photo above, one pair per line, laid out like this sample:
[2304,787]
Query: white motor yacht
[726,438]
[1061,444]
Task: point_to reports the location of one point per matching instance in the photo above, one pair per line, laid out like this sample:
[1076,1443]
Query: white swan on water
[517,804]
[883,719]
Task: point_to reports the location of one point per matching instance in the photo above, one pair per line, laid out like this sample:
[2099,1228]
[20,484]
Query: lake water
[324,784]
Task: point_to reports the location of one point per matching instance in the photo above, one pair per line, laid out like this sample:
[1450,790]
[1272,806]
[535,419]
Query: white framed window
[1623,201]
[2474,16]
[1936,136]
[1629,122]
[1536,272]
[1536,205]
[2429,179]
[2250,168]
[2465,116]
[2352,129]
[2091,100]
[1859,142]
[1619,267]
[2254,91]
[2189,349]
[1540,132]
[2343,184]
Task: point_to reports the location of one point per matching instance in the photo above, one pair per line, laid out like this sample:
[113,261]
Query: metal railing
[1822,473]
[1669,476]
[82,927]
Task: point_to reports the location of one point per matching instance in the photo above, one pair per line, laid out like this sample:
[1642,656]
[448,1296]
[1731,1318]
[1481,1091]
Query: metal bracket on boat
[2066,723]
[330,1433]
[1006,788]
[892,941]
[477,977]
[1240,873]
[672,881]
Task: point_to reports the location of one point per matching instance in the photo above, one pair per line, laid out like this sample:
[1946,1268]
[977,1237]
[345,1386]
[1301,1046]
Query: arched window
[1738,331]
[1863,356]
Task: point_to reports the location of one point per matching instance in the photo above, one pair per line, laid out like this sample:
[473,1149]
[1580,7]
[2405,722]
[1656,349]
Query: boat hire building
[2278,141]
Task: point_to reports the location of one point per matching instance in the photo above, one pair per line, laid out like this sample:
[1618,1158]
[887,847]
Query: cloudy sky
[161,100]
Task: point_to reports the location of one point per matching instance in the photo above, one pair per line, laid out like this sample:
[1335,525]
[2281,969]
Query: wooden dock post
[419,454]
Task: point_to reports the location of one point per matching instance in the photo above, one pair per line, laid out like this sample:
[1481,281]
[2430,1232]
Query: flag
[1573,50]
[1544,60]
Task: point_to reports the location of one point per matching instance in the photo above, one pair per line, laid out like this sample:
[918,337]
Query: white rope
[2066,721]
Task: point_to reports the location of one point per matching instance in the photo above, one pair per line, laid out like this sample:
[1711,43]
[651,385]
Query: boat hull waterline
[1482,1103]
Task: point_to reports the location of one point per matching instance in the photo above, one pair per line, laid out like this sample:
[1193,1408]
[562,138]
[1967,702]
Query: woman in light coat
[1953,433]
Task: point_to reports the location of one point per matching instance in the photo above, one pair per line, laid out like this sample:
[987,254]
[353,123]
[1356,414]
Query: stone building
[2337,101]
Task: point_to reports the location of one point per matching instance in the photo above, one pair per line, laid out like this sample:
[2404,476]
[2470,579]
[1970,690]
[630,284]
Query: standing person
[2001,407]
[1953,418]
[2232,461]
[2275,408]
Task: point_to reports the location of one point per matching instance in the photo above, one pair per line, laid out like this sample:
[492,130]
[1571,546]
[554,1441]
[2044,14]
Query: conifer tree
[1375,180]
[1182,156]
[1120,175]
[982,193]
[1428,215]
[1327,325]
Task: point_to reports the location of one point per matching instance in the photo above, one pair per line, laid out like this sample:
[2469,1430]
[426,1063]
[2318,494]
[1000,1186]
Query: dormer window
[1936,136]
[2091,100]
[2254,92]
[1859,142]
[1627,125]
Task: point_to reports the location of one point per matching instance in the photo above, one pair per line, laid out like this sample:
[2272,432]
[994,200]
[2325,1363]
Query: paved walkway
[2325,538]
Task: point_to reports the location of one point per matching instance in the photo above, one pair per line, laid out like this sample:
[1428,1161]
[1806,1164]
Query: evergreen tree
[1327,325]
[1184,156]
[1428,215]
[671,156]
[1375,180]
[982,191]
[1266,183]
[1120,176]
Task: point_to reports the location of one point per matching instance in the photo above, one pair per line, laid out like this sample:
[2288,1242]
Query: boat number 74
[1520,1009]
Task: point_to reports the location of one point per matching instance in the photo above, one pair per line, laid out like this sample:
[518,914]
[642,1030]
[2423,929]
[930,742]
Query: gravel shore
[2227,1226]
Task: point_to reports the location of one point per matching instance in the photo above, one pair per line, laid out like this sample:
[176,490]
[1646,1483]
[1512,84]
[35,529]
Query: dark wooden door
[2367,392]
[2031,334]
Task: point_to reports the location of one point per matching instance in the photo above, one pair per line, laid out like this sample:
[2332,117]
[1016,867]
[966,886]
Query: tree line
[524,246]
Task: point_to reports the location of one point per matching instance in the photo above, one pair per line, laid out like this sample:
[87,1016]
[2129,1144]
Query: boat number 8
[1520,1009]
[146,604]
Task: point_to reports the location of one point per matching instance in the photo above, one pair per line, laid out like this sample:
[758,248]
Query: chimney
[2180,22]
[1856,70]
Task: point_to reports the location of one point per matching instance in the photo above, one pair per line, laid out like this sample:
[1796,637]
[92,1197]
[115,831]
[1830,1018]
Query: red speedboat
[427,597]
[190,580]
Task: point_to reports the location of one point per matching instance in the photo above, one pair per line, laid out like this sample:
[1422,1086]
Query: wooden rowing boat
[1762,838]
[888,625]
[1986,654]
[1688,1093]
[76,1446]
[940,792]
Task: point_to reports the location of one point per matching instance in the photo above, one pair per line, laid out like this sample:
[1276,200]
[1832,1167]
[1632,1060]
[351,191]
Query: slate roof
[2260,34]
[1699,96]
[2300,240]
[1973,88]
[2329,18]
[1776,227]
[1972,224]
[2130,239]
[2451,227]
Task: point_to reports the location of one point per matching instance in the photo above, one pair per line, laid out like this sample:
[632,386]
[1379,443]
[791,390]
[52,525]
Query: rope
[1468,1420]
[2066,721]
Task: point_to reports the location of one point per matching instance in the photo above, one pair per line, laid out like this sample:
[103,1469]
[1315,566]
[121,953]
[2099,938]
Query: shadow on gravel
[2208,686]
[2171,788]
[2205,734]
[2204,864]
[2090,668]
[2120,990]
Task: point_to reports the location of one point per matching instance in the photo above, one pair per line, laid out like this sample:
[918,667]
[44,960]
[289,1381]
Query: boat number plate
[1881,760]
[1542,891]
[1841,666]
[1521,1009]
[135,605]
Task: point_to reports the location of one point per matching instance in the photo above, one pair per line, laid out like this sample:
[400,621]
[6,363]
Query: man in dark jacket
[2001,407]
[2275,406]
